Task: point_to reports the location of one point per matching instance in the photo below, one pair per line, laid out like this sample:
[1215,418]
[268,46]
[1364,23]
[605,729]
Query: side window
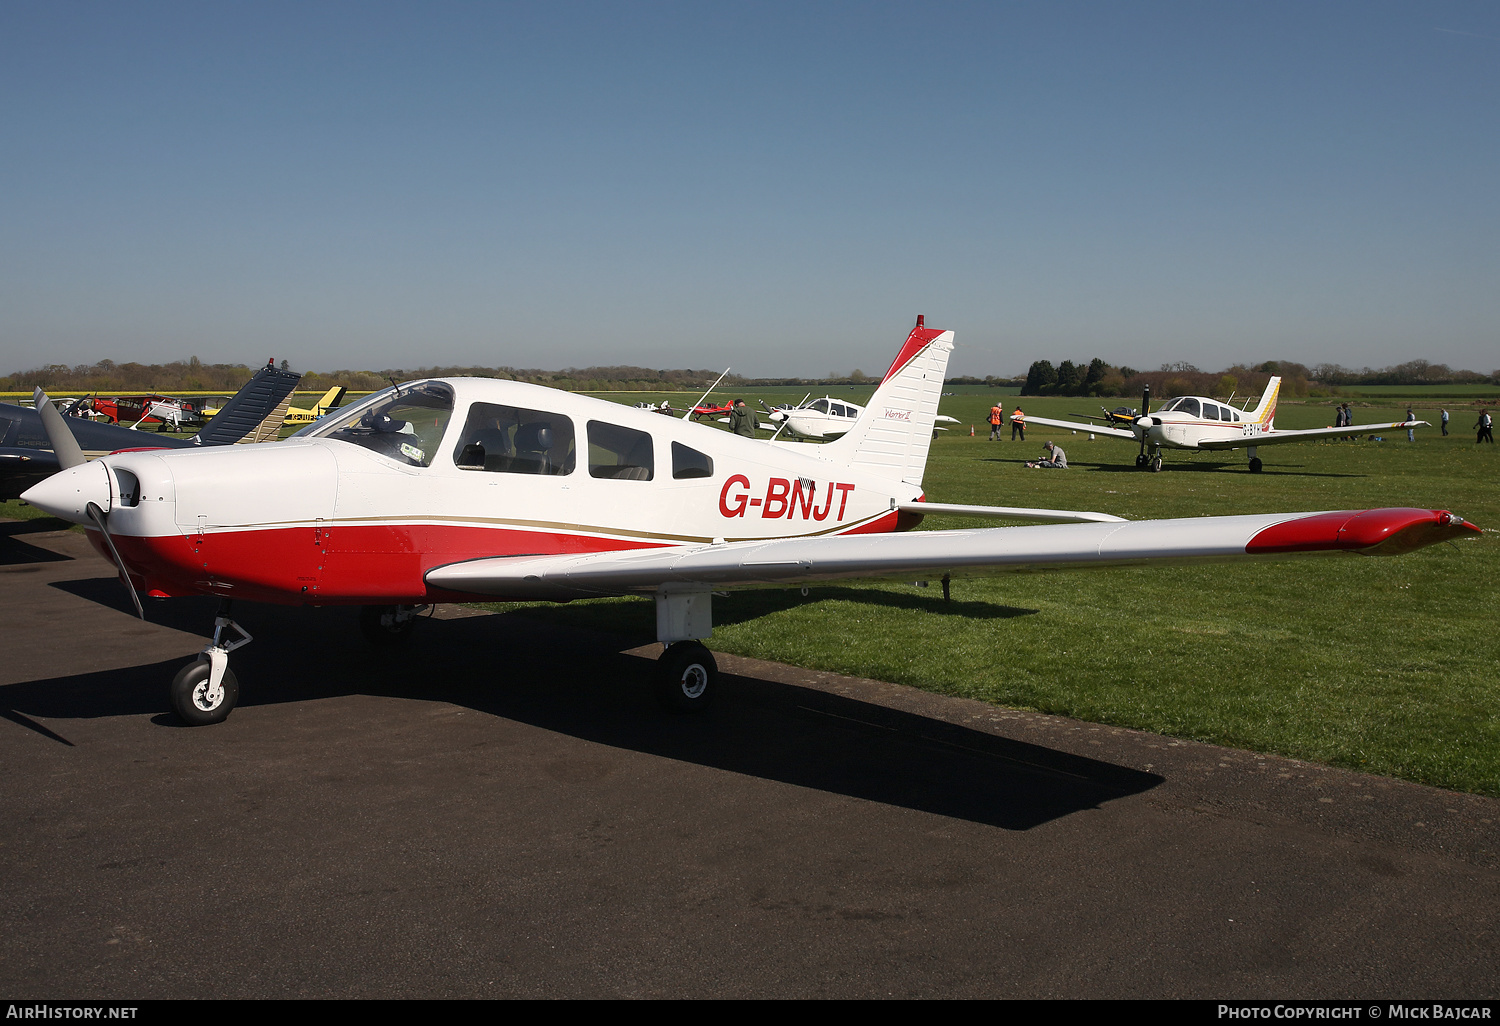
[1188,406]
[690,462]
[821,406]
[619,452]
[512,440]
[1210,411]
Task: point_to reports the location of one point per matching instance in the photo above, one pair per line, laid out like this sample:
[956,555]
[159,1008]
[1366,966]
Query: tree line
[1098,378]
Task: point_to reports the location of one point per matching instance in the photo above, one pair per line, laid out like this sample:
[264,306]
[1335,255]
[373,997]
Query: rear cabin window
[688,463]
[513,440]
[621,453]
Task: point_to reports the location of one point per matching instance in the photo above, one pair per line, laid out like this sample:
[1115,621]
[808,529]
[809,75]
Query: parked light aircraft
[824,418]
[454,490]
[1198,422]
[26,448]
[324,406]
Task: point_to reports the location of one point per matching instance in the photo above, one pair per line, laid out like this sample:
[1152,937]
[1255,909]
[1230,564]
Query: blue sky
[777,187]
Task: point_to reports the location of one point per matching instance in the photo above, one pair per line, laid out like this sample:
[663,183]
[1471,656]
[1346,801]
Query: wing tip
[1374,532]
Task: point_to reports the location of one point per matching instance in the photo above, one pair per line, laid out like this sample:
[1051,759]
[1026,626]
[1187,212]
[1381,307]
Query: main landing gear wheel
[198,703]
[1255,465]
[686,675]
[384,626]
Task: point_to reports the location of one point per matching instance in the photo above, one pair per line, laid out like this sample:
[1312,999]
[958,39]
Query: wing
[1279,437]
[1129,436]
[911,556]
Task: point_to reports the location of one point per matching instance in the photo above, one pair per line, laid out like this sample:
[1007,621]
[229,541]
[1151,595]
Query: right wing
[912,556]
[1303,435]
[1129,436]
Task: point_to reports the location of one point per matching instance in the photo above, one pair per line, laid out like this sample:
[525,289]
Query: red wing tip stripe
[1371,530]
[915,343]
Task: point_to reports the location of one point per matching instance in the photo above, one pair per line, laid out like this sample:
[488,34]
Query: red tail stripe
[915,343]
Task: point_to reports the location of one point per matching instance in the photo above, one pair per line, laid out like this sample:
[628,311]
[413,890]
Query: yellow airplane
[324,406]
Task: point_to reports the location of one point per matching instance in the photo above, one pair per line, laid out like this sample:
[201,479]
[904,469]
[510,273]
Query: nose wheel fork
[205,690]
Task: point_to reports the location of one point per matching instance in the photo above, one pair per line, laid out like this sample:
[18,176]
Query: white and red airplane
[456,490]
[1198,422]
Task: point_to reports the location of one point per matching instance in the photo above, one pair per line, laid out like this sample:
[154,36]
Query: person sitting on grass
[1056,459]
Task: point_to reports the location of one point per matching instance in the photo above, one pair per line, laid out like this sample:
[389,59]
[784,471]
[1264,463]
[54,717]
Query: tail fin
[894,433]
[330,401]
[1265,413]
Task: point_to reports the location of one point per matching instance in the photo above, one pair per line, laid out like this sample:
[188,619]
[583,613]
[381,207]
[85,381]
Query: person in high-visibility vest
[997,417]
[1018,424]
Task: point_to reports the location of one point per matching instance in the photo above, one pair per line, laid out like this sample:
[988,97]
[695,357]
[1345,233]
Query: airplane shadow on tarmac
[15,552]
[583,684]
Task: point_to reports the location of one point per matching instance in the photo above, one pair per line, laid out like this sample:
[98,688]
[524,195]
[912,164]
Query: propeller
[69,455]
[99,517]
[1145,411]
[64,446]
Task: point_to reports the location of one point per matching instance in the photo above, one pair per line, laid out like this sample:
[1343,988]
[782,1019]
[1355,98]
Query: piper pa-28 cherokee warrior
[1197,422]
[456,490]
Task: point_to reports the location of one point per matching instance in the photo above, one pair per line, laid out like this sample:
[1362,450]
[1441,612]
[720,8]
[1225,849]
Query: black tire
[1140,461]
[1156,465]
[190,699]
[686,675]
[1255,466]
[381,634]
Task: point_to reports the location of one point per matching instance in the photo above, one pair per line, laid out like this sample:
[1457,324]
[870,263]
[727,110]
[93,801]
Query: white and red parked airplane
[466,488]
[1198,422]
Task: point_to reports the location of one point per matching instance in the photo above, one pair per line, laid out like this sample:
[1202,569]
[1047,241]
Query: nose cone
[67,493]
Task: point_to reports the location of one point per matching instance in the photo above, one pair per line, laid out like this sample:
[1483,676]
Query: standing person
[742,419]
[1485,427]
[1018,423]
[1411,433]
[997,417]
[1445,423]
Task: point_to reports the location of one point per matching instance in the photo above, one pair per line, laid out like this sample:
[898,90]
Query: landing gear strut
[205,691]
[686,674]
[1254,461]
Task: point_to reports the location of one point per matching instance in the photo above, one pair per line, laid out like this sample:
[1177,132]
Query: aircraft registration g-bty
[1197,422]
[455,490]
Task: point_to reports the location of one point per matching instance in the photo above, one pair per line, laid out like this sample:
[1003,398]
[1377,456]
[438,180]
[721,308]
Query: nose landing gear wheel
[686,675]
[1156,465]
[196,702]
